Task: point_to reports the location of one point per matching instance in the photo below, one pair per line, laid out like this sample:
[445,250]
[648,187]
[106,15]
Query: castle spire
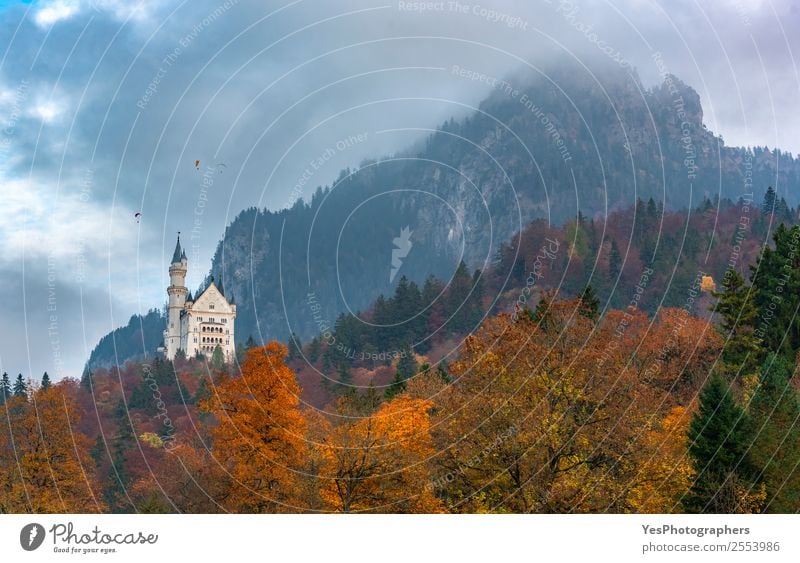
[178,254]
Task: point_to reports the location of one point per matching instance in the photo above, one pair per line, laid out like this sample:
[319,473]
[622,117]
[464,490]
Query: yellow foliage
[707,284]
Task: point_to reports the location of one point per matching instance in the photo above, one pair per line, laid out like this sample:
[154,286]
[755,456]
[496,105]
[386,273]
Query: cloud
[55,11]
[50,12]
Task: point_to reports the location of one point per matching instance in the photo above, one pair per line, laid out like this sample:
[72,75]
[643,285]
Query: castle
[197,326]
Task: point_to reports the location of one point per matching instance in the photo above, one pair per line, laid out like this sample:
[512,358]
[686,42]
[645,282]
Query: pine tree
[116,492]
[45,381]
[476,299]
[614,261]
[240,352]
[407,364]
[218,358]
[717,445]
[313,349]
[5,388]
[344,375]
[457,300]
[589,304]
[20,387]
[776,281]
[396,387]
[250,343]
[86,379]
[774,413]
[738,316]
[295,347]
[542,314]
[770,199]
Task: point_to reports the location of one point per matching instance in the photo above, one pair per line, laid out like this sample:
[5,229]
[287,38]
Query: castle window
[225,321]
[211,306]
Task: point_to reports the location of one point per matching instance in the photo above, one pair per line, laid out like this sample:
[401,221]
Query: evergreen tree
[86,379]
[123,440]
[313,349]
[20,387]
[614,261]
[5,388]
[240,352]
[382,319]
[457,300]
[770,199]
[432,305]
[344,375]
[295,347]
[589,303]
[407,364]
[476,299]
[776,281]
[541,315]
[396,387]
[738,315]
[717,445]
[774,413]
[203,391]
[218,358]
[45,381]
[250,343]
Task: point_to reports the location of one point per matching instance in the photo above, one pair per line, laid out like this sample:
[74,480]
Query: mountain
[559,145]
[135,341]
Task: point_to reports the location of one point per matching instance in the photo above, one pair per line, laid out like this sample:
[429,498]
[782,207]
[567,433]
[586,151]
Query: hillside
[545,151]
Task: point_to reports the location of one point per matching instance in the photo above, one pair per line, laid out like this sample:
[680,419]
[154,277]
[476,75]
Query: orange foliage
[552,417]
[378,462]
[45,466]
[258,438]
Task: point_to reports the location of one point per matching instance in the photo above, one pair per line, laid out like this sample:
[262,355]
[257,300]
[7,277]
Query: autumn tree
[258,438]
[547,417]
[45,466]
[376,462]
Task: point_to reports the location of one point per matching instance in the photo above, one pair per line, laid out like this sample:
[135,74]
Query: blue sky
[106,104]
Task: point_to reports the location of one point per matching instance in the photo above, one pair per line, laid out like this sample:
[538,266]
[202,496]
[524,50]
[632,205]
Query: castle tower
[177,292]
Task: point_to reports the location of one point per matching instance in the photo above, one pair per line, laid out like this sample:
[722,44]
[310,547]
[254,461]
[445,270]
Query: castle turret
[177,292]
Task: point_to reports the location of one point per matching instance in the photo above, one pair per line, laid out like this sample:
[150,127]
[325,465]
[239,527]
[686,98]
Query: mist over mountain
[549,149]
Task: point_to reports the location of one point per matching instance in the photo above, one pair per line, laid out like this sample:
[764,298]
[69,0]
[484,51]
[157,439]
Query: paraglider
[221,165]
[137,216]
[197,165]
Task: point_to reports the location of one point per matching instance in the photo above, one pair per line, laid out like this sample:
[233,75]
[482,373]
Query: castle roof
[176,256]
[211,284]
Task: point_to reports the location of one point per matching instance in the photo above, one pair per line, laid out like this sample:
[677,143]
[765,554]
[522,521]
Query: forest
[586,371]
